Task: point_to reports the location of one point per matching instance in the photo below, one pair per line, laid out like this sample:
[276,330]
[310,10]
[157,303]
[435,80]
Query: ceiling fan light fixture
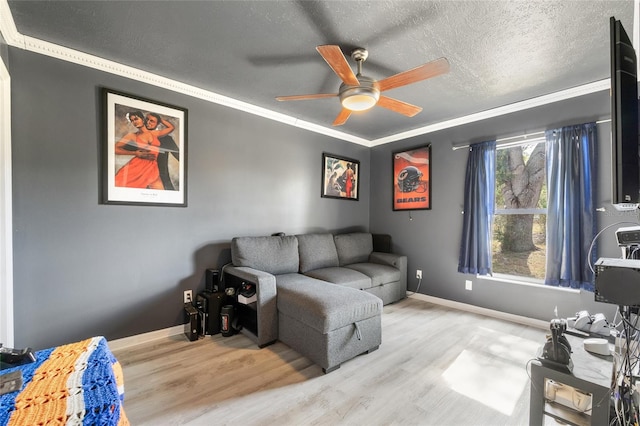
[359,98]
[360,93]
[359,102]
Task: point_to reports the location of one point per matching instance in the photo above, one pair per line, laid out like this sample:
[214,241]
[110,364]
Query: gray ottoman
[327,323]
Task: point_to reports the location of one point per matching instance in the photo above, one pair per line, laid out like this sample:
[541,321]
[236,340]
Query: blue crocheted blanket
[80,383]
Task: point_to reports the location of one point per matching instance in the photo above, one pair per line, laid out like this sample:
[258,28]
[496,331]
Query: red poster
[412,179]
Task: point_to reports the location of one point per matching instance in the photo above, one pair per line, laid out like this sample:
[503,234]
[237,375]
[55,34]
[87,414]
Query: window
[519,228]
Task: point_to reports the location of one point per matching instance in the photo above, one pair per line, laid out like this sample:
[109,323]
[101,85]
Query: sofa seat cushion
[316,251]
[379,274]
[324,306]
[343,276]
[275,255]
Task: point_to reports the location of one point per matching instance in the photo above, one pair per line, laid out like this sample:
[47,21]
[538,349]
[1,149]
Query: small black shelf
[257,320]
[252,305]
[247,317]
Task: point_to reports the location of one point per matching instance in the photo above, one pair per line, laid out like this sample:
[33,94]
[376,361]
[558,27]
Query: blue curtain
[479,189]
[570,210]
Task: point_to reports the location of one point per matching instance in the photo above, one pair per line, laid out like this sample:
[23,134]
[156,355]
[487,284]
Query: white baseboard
[126,342]
[483,311]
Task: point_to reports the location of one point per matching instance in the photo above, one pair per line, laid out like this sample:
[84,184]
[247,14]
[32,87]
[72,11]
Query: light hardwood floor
[436,366]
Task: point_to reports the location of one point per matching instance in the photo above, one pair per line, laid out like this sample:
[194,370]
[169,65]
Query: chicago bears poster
[412,179]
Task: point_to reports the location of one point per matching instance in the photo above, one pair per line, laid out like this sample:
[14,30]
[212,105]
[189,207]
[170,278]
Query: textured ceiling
[500,52]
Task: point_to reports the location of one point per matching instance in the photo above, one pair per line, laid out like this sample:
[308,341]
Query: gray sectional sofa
[321,294]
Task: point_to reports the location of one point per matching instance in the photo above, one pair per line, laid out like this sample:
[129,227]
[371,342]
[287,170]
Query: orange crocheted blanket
[79,383]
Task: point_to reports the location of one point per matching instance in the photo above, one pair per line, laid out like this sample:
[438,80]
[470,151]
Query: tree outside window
[519,228]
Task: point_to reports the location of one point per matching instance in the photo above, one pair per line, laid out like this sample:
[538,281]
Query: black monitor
[624,118]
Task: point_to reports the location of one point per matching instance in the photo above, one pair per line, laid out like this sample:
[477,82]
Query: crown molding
[13,38]
[561,95]
[8,28]
[60,52]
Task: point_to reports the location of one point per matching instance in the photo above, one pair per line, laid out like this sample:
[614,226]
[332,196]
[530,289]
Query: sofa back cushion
[316,251]
[353,248]
[275,255]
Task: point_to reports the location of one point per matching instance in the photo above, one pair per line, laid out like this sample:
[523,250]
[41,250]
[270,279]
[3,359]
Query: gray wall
[83,268]
[431,238]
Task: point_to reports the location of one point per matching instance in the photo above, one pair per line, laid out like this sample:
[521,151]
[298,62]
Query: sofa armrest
[395,260]
[266,301]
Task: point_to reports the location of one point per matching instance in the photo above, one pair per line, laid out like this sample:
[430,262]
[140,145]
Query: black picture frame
[155,173]
[340,177]
[412,178]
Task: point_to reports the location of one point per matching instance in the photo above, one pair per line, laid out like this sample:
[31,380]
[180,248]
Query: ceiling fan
[359,93]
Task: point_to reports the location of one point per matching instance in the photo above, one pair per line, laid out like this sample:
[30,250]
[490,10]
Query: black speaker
[192,325]
[201,305]
[211,304]
[212,279]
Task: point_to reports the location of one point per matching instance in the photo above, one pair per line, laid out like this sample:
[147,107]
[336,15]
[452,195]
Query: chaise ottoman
[325,322]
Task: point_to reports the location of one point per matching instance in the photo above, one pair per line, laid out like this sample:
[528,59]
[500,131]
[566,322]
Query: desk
[79,383]
[591,374]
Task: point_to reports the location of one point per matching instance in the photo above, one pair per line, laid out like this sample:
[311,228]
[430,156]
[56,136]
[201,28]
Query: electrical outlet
[419,274]
[188,296]
[468,285]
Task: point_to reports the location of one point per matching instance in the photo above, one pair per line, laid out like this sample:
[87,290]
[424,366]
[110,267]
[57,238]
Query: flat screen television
[624,119]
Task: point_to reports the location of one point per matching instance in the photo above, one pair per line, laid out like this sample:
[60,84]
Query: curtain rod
[535,137]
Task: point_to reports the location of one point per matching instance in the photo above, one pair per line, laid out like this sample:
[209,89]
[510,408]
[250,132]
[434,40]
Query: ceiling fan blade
[305,97]
[338,63]
[342,117]
[398,106]
[428,70]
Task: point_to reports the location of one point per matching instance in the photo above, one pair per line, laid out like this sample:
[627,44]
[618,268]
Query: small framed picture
[412,179]
[340,177]
[144,151]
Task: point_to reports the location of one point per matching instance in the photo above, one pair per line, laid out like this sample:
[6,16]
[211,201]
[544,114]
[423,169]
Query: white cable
[417,288]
